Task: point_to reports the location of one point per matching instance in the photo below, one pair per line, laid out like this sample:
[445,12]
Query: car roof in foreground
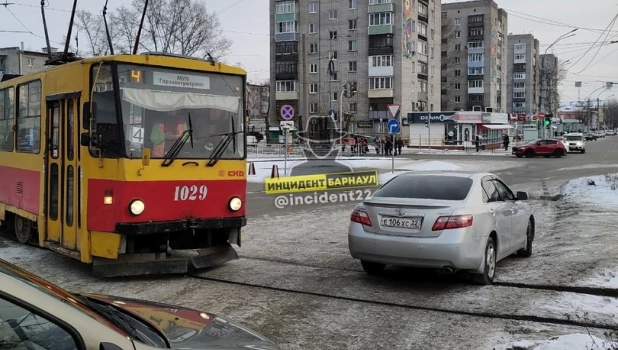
[449,173]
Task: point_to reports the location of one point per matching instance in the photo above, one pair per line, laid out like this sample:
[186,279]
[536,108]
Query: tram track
[478,314]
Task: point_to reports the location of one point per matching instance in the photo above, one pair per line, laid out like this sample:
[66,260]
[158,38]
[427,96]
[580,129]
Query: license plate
[414,224]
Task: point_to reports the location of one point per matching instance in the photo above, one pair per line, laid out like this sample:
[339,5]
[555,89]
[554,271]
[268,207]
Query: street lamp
[545,74]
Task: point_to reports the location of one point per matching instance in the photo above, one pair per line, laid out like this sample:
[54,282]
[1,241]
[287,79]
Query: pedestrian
[399,144]
[506,142]
[477,142]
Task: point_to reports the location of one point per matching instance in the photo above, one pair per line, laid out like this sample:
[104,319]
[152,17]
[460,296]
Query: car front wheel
[489,270]
[372,268]
[527,251]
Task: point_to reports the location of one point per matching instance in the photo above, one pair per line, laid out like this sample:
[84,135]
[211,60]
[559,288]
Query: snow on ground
[565,342]
[263,168]
[604,192]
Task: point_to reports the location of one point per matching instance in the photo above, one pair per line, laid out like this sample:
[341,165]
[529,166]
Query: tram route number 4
[190,193]
[137,135]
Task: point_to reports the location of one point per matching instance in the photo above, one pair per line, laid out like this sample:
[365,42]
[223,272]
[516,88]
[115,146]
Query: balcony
[422,37]
[381,93]
[476,24]
[381,8]
[422,76]
[380,71]
[381,29]
[286,17]
[476,64]
[475,36]
[279,37]
[287,50]
[286,95]
[476,90]
[379,115]
[476,50]
[286,75]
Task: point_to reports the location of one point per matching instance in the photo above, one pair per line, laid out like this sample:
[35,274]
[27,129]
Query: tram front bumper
[162,263]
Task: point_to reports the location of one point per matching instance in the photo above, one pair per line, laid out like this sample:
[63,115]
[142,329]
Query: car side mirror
[522,196]
[109,346]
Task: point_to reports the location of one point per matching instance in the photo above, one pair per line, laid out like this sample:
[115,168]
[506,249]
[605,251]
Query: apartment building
[474,53]
[388,49]
[523,74]
[549,72]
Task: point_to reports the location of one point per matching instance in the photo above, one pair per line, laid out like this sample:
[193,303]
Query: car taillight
[361,217]
[450,222]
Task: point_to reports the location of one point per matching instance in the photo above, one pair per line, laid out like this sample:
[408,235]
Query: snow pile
[606,278]
[599,191]
[565,342]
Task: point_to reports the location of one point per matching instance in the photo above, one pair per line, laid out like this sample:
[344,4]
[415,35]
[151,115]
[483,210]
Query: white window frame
[476,70]
[519,94]
[313,7]
[286,27]
[313,28]
[520,56]
[378,2]
[313,108]
[457,21]
[380,19]
[382,61]
[380,83]
[475,45]
[519,75]
[353,24]
[312,47]
[286,7]
[475,57]
[475,84]
[519,85]
[286,86]
[332,14]
[313,68]
[457,99]
[352,64]
[352,45]
[519,47]
[352,4]
[313,88]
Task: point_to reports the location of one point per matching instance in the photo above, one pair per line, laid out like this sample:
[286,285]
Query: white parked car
[442,220]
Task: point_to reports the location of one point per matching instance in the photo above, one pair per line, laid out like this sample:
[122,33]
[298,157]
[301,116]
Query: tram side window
[7,118]
[29,118]
[106,123]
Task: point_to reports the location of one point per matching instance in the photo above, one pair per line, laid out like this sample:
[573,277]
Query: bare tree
[92,29]
[182,27]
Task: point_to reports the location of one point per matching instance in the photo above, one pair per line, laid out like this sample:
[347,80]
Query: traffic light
[426,123]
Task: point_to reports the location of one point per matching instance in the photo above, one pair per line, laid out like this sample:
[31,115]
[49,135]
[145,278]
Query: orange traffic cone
[275,172]
[251,168]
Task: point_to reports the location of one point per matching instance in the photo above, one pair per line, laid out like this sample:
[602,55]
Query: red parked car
[545,147]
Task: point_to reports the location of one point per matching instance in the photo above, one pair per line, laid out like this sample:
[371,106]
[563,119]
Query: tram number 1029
[190,193]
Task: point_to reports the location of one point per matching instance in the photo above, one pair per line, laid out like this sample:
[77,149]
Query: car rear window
[450,188]
[574,138]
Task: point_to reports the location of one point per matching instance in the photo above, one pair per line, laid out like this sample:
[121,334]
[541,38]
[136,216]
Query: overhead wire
[608,29]
[547,21]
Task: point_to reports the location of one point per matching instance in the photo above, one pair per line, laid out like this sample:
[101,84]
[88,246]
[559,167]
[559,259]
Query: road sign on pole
[287,112]
[541,115]
[287,124]
[393,110]
[393,126]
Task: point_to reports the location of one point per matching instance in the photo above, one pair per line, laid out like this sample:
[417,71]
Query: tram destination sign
[181,80]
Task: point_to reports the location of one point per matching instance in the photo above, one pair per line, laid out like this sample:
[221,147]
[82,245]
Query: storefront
[494,127]
[429,128]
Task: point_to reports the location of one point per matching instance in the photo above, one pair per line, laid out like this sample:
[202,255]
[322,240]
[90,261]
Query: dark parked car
[541,147]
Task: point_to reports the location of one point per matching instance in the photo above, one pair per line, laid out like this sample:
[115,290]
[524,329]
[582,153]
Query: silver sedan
[442,220]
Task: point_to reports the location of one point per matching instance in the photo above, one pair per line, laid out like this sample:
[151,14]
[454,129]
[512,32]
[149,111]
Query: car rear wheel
[372,268]
[558,153]
[527,251]
[489,270]
[529,153]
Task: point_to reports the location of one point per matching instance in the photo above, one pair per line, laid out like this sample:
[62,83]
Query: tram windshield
[159,104]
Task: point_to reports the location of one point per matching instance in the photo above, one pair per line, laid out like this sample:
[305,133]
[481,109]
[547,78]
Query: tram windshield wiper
[229,137]
[186,135]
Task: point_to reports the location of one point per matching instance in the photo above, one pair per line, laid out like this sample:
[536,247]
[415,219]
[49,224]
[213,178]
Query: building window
[285,67]
[335,97]
[458,47]
[379,19]
[352,45]
[422,28]
[520,56]
[457,72]
[474,84]
[352,66]
[379,83]
[313,48]
[286,47]
[7,119]
[475,45]
[332,14]
[30,62]
[286,86]
[29,117]
[333,55]
[457,99]
[475,32]
[475,19]
[457,60]
[313,28]
[382,61]
[458,86]
[457,21]
[423,10]
[313,108]
[313,88]
[313,68]
[313,7]
[519,47]
[333,35]
[352,24]
[334,77]
[519,85]
[519,75]
[352,4]
[519,94]
[286,7]
[475,71]
[458,34]
[378,2]
[475,57]
[286,27]
[353,108]
[422,68]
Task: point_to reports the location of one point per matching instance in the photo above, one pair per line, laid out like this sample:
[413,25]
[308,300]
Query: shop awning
[497,127]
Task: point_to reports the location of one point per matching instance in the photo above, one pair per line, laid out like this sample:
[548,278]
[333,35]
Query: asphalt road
[538,174]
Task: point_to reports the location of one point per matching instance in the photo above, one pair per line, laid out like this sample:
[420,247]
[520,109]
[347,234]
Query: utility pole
[589,115]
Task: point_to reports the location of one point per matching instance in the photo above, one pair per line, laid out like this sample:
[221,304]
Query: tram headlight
[235,204]
[137,207]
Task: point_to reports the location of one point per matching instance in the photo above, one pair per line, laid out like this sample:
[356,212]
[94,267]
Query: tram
[132,163]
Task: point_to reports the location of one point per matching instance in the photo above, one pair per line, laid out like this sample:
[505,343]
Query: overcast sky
[245,22]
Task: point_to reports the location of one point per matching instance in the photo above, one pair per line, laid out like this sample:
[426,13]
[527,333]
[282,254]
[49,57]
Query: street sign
[541,115]
[287,112]
[287,124]
[393,110]
[393,126]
